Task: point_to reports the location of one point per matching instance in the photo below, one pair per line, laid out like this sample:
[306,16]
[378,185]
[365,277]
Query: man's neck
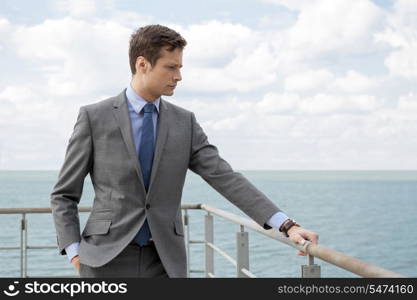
[141,92]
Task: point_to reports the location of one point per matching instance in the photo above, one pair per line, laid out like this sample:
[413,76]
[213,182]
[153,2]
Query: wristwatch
[287,225]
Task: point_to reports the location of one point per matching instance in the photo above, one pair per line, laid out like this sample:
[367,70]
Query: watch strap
[287,225]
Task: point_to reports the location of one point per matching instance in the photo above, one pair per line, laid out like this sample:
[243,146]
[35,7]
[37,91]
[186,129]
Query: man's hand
[299,236]
[76,263]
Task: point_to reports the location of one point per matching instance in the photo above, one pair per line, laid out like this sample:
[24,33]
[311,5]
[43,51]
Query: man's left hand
[299,235]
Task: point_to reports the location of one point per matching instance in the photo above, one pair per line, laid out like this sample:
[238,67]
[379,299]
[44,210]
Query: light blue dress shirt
[135,105]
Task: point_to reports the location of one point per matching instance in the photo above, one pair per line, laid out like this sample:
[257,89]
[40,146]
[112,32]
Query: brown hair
[148,41]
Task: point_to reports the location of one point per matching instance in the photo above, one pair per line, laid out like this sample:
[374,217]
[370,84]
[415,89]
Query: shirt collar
[137,101]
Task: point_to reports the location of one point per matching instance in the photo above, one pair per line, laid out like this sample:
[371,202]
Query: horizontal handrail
[331,256]
[36,210]
[43,210]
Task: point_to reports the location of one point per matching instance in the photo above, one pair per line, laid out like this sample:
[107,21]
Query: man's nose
[177,76]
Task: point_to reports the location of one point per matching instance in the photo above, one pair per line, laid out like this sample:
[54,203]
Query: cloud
[224,57]
[5,29]
[4,26]
[325,103]
[294,4]
[317,104]
[247,71]
[400,33]
[328,25]
[308,80]
[293,137]
[214,40]
[355,82]
[59,49]
[76,8]
[283,19]
[408,103]
[34,128]
[278,103]
[314,93]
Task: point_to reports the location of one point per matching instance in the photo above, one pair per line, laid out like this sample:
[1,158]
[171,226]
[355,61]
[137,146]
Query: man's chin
[168,93]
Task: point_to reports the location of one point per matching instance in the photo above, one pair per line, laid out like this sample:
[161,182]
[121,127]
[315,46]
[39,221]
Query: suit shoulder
[100,105]
[177,109]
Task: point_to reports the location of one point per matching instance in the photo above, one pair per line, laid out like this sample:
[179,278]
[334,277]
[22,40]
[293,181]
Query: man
[137,148]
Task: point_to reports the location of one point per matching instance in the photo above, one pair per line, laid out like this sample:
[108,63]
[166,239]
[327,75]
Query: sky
[275,84]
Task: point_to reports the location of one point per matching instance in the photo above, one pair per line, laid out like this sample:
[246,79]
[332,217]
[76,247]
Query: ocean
[370,215]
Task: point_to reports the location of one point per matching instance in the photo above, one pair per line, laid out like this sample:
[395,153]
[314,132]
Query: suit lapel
[121,114]
[161,137]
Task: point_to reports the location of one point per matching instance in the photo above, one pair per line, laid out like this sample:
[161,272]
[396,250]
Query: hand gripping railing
[341,260]
[241,263]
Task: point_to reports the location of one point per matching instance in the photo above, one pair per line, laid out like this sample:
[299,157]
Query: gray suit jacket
[102,145]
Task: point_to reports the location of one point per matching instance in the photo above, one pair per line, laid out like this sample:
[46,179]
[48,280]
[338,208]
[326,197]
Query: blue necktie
[146,151]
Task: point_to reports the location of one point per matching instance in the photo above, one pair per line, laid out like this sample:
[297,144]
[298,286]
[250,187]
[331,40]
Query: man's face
[162,78]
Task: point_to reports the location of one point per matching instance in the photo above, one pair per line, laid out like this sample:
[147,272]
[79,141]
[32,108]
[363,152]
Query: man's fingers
[301,236]
[75,258]
[75,261]
[313,237]
[301,242]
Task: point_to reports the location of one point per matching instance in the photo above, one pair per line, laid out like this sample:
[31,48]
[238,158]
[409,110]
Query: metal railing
[241,262]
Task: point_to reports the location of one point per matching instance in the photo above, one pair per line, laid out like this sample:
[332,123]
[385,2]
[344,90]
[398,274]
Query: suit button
[147,206]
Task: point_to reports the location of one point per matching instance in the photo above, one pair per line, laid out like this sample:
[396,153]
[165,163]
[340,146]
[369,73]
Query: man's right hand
[76,263]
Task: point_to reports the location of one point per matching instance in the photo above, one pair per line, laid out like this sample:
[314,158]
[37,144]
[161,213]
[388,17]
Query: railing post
[209,238]
[311,270]
[242,248]
[23,246]
[187,230]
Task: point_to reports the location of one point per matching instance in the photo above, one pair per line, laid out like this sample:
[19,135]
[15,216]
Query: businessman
[137,148]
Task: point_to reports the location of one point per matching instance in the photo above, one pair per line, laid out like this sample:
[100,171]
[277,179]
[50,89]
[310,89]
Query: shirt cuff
[72,250]
[277,220]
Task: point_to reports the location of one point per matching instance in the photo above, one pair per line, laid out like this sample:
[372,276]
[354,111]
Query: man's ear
[141,64]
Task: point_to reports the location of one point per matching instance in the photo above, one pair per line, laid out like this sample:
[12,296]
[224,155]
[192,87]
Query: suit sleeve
[67,192]
[206,161]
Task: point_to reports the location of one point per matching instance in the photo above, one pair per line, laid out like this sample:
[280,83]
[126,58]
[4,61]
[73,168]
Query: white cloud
[355,82]
[308,80]
[5,29]
[278,103]
[325,103]
[131,19]
[292,138]
[277,21]
[223,57]
[59,47]
[34,128]
[317,104]
[294,4]
[408,103]
[404,62]
[401,34]
[334,25]
[300,95]
[404,13]
[250,68]
[4,25]
[76,8]
[214,40]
